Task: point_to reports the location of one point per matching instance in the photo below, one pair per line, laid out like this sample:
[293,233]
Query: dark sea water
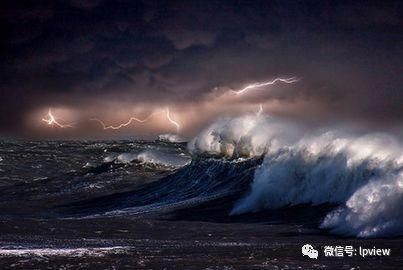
[37,177]
[151,205]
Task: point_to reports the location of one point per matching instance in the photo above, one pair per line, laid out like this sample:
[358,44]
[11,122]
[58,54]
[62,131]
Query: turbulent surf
[234,168]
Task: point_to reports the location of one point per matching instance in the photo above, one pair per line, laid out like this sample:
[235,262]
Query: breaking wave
[151,157]
[373,210]
[362,174]
[254,163]
[203,180]
[173,138]
[246,136]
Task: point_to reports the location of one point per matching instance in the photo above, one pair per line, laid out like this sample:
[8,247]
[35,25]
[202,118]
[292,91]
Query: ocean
[160,204]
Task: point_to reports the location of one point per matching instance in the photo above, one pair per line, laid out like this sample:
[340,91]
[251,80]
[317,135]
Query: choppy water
[38,176]
[359,176]
[103,199]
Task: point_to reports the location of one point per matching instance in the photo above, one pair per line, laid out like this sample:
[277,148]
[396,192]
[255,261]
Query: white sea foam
[109,158]
[173,138]
[373,210]
[154,157]
[69,252]
[361,173]
[245,136]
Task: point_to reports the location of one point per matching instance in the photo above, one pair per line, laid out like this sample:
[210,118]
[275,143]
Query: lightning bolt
[51,121]
[105,127]
[132,119]
[259,112]
[259,85]
[176,124]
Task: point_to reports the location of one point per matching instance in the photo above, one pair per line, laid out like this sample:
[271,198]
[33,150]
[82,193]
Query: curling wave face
[203,180]
[360,173]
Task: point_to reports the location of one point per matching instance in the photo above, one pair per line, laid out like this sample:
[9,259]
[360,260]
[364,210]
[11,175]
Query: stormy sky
[112,60]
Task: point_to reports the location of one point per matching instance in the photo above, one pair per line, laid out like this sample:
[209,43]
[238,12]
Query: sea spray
[246,136]
[362,173]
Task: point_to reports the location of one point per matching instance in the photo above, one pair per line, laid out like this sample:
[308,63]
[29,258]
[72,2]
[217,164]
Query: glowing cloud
[51,121]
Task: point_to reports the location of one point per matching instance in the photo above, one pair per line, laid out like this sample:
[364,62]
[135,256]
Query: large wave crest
[360,173]
[246,136]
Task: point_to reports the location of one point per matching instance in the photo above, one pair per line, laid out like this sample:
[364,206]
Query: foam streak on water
[67,252]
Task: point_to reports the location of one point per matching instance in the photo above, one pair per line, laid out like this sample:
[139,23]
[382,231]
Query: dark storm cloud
[85,4]
[347,54]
